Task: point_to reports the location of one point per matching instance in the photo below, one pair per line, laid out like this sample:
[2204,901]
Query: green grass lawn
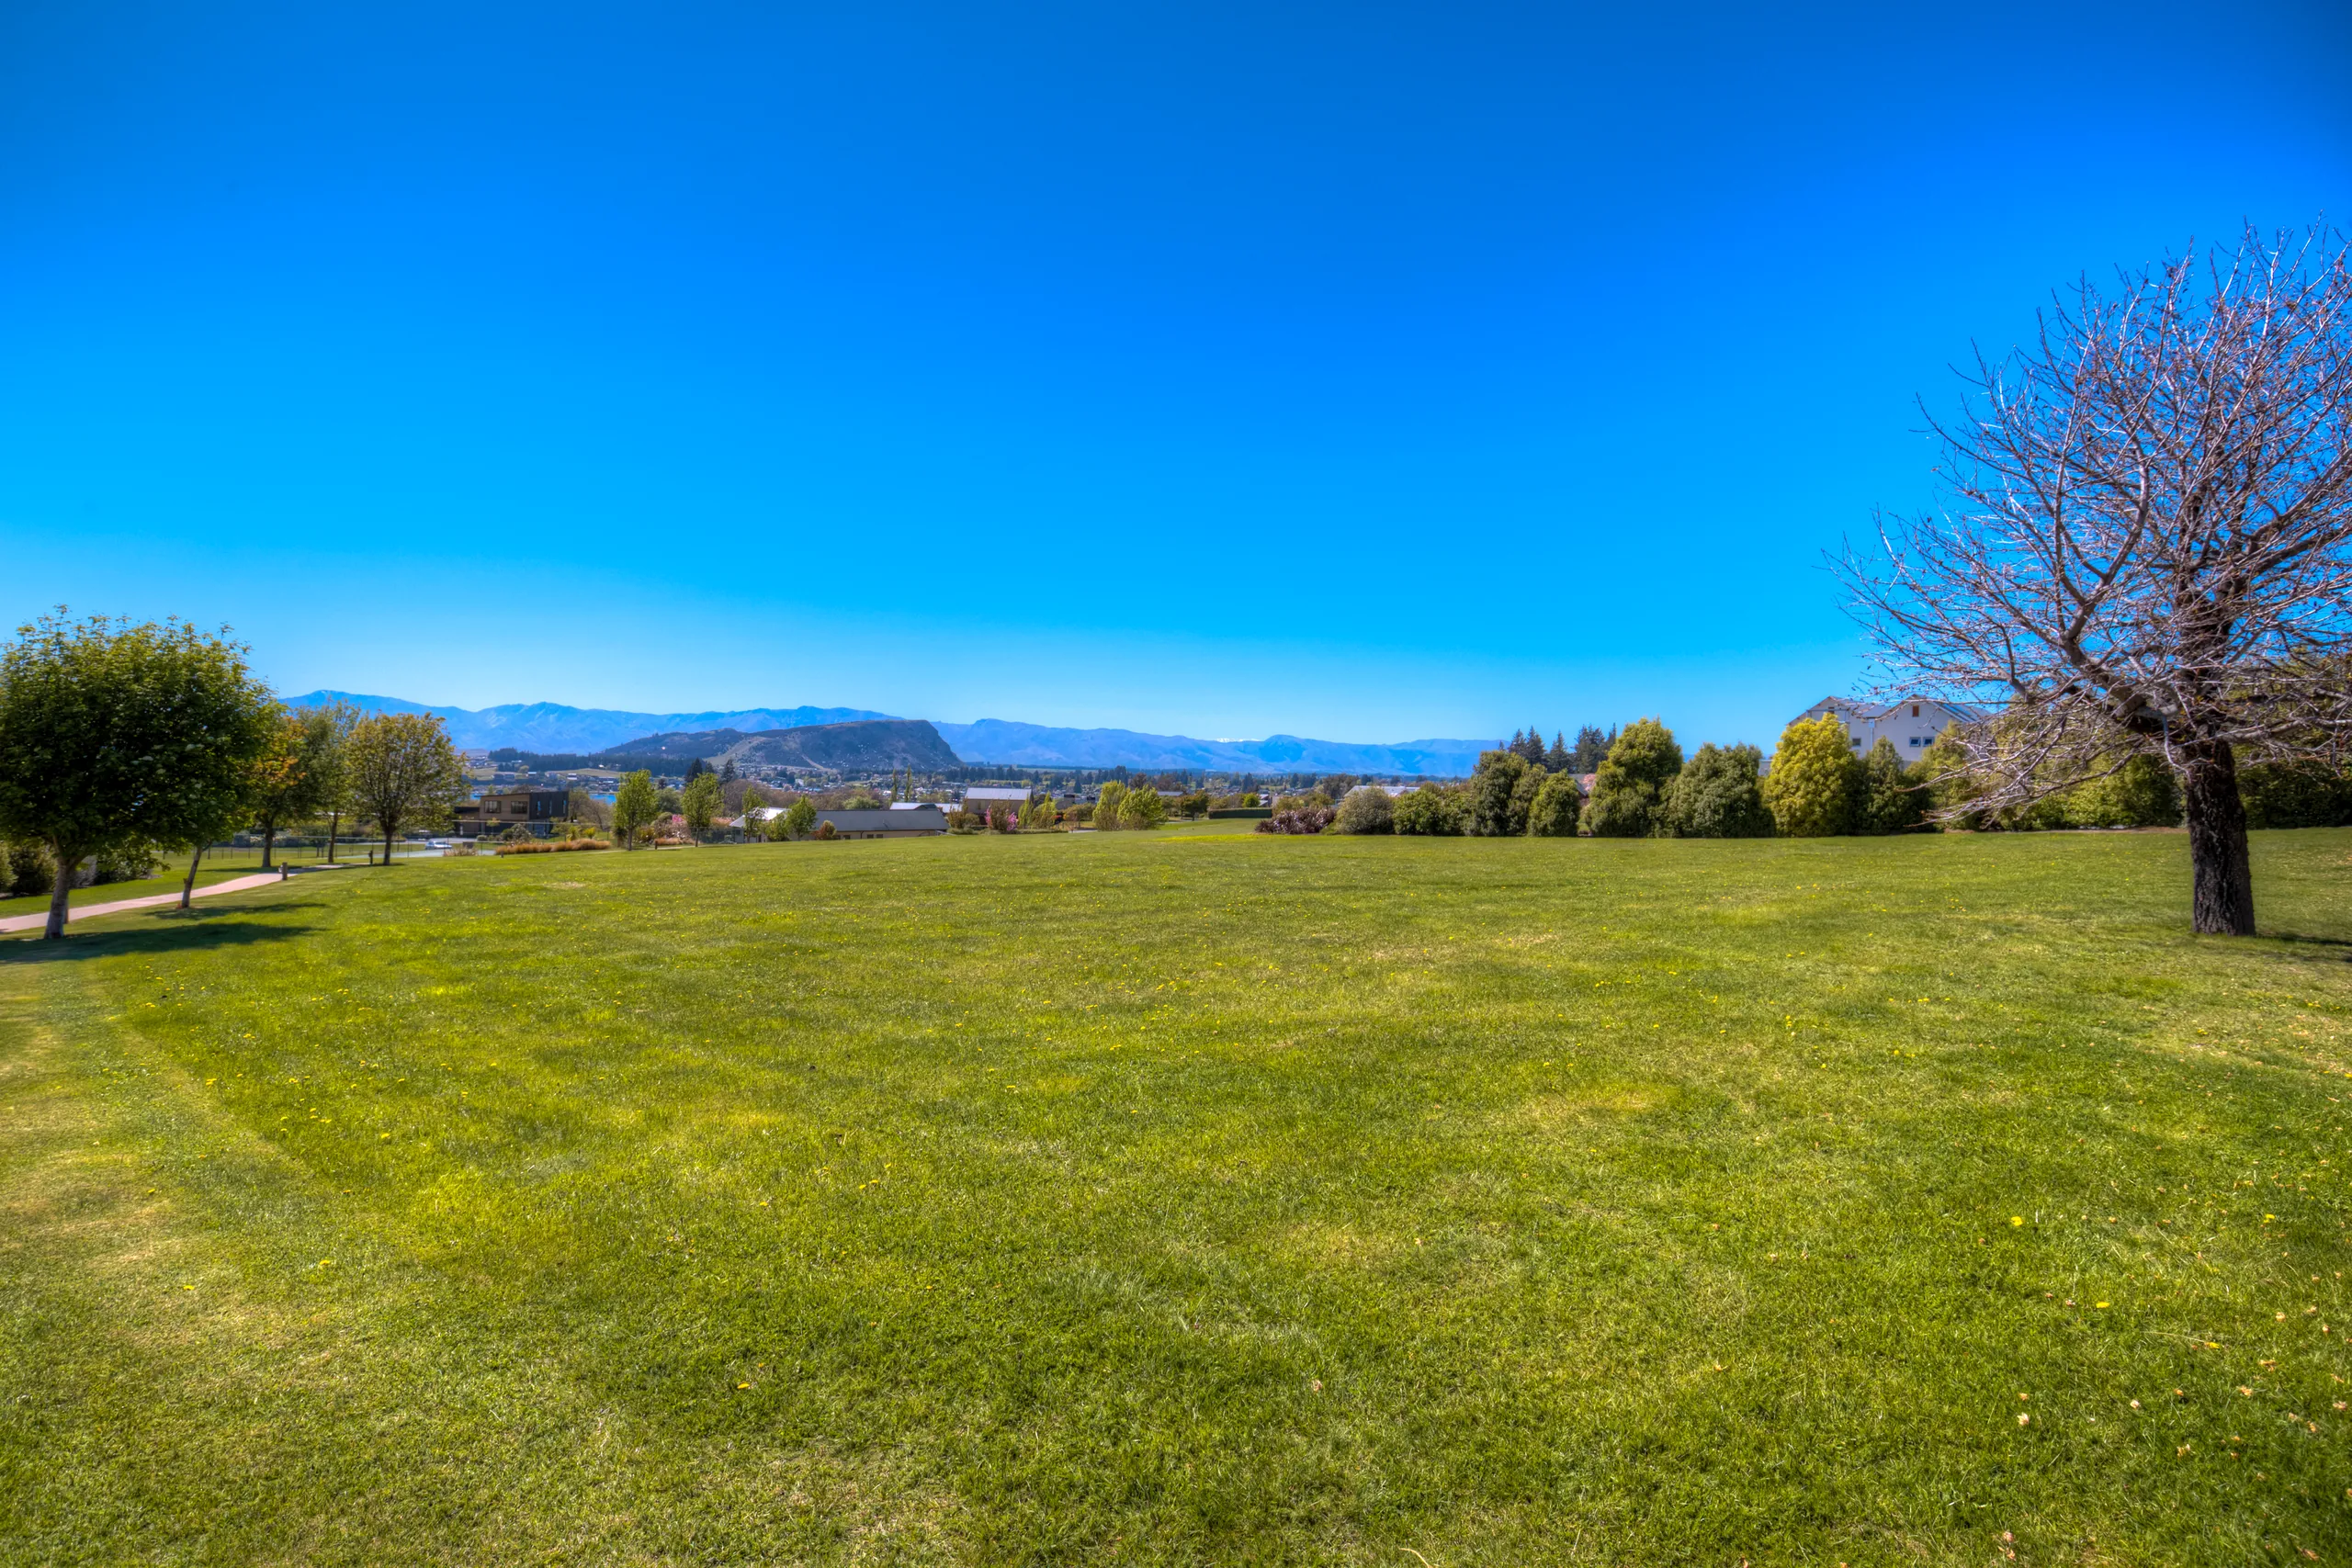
[1133,1198]
[220,865]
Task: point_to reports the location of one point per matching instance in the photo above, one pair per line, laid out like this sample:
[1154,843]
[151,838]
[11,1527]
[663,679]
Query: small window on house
[1914,710]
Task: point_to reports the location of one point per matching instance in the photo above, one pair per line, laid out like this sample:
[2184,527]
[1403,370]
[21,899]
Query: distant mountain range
[865,745]
[1038,745]
[551,726]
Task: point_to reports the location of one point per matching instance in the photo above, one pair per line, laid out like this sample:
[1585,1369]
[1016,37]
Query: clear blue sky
[1365,371]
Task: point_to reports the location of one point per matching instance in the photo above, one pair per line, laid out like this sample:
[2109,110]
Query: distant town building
[886,824]
[987,798]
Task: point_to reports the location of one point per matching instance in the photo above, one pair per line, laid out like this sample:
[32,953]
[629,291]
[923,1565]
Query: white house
[1911,724]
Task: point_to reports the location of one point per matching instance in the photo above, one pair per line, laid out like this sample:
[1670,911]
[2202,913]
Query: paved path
[85,911]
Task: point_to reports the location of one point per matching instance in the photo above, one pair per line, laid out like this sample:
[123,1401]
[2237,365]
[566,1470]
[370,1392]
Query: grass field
[1189,1199]
[220,865]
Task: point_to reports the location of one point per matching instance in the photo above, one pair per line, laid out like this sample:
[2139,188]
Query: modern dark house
[535,810]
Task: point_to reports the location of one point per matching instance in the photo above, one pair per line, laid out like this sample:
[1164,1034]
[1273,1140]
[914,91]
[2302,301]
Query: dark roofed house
[912,823]
[534,810]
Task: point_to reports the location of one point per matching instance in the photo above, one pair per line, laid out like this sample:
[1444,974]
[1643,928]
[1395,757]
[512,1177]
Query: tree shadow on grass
[2301,939]
[202,929]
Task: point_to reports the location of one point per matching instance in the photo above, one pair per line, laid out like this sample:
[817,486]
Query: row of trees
[1592,745]
[1816,786]
[120,740]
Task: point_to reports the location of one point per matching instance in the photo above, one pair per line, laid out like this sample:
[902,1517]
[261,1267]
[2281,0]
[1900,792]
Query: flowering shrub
[1300,819]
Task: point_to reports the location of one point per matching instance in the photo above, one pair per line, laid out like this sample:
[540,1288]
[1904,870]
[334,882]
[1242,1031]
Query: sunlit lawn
[170,870]
[1192,1198]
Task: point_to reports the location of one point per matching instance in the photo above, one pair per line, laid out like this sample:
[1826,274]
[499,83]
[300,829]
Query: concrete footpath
[86,911]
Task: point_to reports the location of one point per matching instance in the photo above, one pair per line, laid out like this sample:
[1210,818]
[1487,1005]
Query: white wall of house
[1912,724]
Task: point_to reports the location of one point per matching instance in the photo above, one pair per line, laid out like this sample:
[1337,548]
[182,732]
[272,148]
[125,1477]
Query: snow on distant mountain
[551,726]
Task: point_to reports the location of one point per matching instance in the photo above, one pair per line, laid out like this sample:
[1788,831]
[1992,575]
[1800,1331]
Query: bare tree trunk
[268,839]
[187,888]
[334,817]
[61,891]
[389,829]
[2220,867]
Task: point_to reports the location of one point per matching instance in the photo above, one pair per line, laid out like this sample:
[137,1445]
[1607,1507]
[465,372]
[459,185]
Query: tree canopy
[1814,773]
[404,773]
[1629,788]
[1501,788]
[1718,796]
[112,733]
[1554,811]
[634,807]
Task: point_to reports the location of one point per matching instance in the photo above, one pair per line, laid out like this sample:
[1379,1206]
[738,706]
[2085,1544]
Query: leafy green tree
[2142,792]
[1432,810]
[668,802]
[2291,794]
[1559,757]
[1369,809]
[1887,799]
[1140,809]
[1106,805]
[800,818]
[113,734]
[727,774]
[1557,809]
[1528,746]
[1629,789]
[291,778]
[700,802]
[1523,793]
[634,805]
[328,745]
[404,773]
[695,769]
[1814,780]
[745,817]
[1591,749]
[1718,795]
[1498,805]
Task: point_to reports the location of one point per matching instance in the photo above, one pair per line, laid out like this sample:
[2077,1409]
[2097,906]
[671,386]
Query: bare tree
[2146,542]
